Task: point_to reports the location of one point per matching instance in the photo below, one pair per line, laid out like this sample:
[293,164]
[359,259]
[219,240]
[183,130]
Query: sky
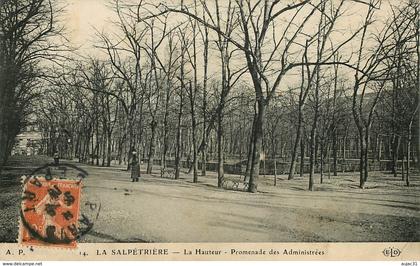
[84,16]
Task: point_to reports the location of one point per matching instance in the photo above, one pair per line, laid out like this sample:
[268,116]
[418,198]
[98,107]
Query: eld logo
[391,252]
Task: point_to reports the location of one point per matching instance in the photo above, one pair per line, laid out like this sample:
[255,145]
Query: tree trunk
[178,139]
[275,169]
[104,147]
[194,143]
[329,161]
[165,129]
[250,151]
[130,128]
[109,158]
[366,155]
[258,136]
[86,149]
[295,145]
[120,151]
[312,156]
[302,157]
[362,160]
[204,159]
[335,152]
[321,169]
[152,144]
[220,149]
[403,168]
[92,153]
[97,142]
[205,66]
[314,135]
[3,154]
[395,148]
[416,11]
[407,177]
[409,140]
[344,146]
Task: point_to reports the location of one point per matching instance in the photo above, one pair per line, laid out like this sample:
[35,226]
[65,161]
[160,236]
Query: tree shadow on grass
[263,225]
[115,239]
[298,189]
[342,197]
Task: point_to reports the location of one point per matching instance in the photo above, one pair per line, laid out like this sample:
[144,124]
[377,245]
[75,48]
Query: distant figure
[56,158]
[135,168]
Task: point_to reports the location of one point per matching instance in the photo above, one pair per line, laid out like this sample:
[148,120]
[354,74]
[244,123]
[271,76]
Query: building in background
[29,141]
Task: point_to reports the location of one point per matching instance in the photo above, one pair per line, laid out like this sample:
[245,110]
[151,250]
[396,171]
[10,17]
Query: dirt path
[163,210]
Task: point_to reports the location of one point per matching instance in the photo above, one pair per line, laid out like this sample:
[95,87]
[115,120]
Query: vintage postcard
[210,130]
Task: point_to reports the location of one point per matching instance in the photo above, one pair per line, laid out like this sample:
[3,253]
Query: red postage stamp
[50,212]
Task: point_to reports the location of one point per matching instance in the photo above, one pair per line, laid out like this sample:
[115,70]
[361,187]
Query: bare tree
[29,33]
[155,84]
[125,54]
[257,21]
[372,73]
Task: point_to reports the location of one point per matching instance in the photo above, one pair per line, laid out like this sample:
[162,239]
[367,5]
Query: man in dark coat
[135,168]
[56,158]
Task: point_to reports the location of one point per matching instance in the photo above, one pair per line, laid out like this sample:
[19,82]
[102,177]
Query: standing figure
[56,158]
[135,168]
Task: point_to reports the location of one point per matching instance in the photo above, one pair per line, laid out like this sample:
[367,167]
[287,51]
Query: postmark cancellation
[50,212]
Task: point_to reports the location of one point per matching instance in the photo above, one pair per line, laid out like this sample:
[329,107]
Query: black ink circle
[51,238]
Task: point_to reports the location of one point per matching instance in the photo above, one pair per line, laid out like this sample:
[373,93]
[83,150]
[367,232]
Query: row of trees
[29,38]
[241,81]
